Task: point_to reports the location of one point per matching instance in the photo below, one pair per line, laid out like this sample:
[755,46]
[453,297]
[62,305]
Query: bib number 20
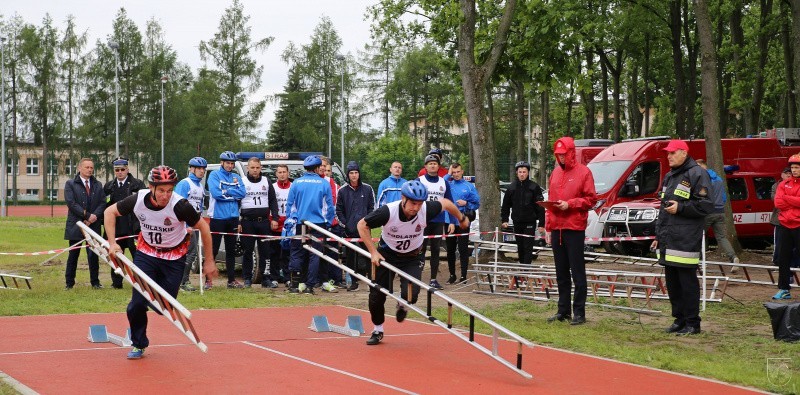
[402,245]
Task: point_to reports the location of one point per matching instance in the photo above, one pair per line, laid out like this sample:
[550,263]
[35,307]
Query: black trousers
[684,294]
[525,244]
[278,261]
[385,278]
[250,243]
[168,275]
[788,242]
[72,265]
[356,261]
[433,228]
[460,242]
[225,226]
[570,270]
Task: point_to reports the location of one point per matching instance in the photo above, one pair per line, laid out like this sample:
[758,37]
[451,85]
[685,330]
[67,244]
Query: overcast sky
[187,22]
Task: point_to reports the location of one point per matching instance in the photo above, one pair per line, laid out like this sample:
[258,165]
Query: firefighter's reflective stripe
[682,257]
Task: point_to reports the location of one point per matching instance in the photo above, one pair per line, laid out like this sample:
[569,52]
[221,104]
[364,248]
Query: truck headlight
[650,214]
[617,215]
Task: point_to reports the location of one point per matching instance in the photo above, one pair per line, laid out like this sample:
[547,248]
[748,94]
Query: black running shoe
[452,279]
[401,313]
[375,338]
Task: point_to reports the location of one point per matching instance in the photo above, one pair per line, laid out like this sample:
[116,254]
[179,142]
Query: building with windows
[28,179]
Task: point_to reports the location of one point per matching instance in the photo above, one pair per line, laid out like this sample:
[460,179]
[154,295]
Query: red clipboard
[547,205]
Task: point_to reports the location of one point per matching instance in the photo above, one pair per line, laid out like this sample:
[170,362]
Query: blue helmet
[198,162]
[228,156]
[414,190]
[312,161]
[435,151]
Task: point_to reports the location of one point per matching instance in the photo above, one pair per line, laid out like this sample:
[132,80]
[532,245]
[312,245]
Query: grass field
[735,346]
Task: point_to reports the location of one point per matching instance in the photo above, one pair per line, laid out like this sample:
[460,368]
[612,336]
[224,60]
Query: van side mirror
[631,188]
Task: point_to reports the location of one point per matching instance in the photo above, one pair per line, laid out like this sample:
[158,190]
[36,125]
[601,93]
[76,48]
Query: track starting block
[352,327]
[99,334]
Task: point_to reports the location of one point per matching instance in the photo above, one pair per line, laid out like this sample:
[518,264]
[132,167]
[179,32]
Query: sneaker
[97,286]
[452,279]
[375,338]
[136,353]
[735,269]
[235,284]
[353,287]
[248,283]
[308,290]
[188,287]
[269,284]
[116,286]
[293,291]
[435,284]
[208,285]
[340,284]
[328,287]
[462,280]
[302,287]
[782,294]
[401,313]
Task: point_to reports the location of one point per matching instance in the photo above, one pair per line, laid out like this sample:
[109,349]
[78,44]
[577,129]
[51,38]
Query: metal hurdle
[159,299]
[12,278]
[448,326]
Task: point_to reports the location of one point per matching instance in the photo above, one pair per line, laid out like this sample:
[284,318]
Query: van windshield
[606,174]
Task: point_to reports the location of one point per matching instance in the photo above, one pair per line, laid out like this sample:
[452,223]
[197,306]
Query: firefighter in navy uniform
[122,186]
[679,232]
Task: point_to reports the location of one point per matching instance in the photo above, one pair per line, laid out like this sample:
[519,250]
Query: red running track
[271,350]
[36,211]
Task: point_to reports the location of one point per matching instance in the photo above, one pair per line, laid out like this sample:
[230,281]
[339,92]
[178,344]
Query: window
[10,193]
[68,168]
[13,167]
[606,174]
[647,176]
[52,194]
[737,188]
[763,187]
[32,166]
[32,192]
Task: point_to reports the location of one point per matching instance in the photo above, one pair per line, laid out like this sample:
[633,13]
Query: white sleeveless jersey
[403,237]
[160,229]
[195,196]
[282,195]
[435,189]
[257,195]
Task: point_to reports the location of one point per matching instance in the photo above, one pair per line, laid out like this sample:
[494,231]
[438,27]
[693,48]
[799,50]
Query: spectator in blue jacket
[716,219]
[310,199]
[355,200]
[389,188]
[466,198]
[226,190]
[191,189]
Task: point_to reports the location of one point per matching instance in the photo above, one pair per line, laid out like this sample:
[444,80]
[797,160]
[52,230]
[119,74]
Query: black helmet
[524,164]
[432,158]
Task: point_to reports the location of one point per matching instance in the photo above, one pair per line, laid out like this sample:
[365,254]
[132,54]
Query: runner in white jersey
[404,224]
[191,189]
[259,212]
[162,243]
[438,189]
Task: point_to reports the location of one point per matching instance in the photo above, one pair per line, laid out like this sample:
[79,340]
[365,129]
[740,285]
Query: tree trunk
[588,99]
[474,79]
[677,67]
[709,90]
[691,70]
[737,43]
[570,101]
[721,85]
[604,76]
[791,96]
[545,145]
[635,121]
[796,46]
[646,85]
[519,113]
[763,46]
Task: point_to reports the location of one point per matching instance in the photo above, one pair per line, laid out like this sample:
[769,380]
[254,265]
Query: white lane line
[353,375]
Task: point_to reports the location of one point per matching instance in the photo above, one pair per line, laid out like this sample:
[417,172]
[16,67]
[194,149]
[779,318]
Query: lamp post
[115,47]
[330,120]
[341,59]
[164,80]
[3,127]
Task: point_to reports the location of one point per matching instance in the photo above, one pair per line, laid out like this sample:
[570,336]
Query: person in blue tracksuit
[310,199]
[466,198]
[389,188]
[191,189]
[226,190]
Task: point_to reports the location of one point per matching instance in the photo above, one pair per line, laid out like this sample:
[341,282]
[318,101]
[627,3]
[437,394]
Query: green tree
[236,72]
[291,129]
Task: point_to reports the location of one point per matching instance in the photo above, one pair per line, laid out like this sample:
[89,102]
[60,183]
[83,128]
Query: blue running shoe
[136,353]
[782,295]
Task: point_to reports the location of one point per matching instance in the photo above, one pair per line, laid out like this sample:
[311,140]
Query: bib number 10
[155,237]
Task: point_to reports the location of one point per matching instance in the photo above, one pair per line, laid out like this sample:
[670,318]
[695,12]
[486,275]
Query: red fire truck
[628,179]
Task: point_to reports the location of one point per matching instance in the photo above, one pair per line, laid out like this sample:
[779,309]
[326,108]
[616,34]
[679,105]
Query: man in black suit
[86,202]
[122,186]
